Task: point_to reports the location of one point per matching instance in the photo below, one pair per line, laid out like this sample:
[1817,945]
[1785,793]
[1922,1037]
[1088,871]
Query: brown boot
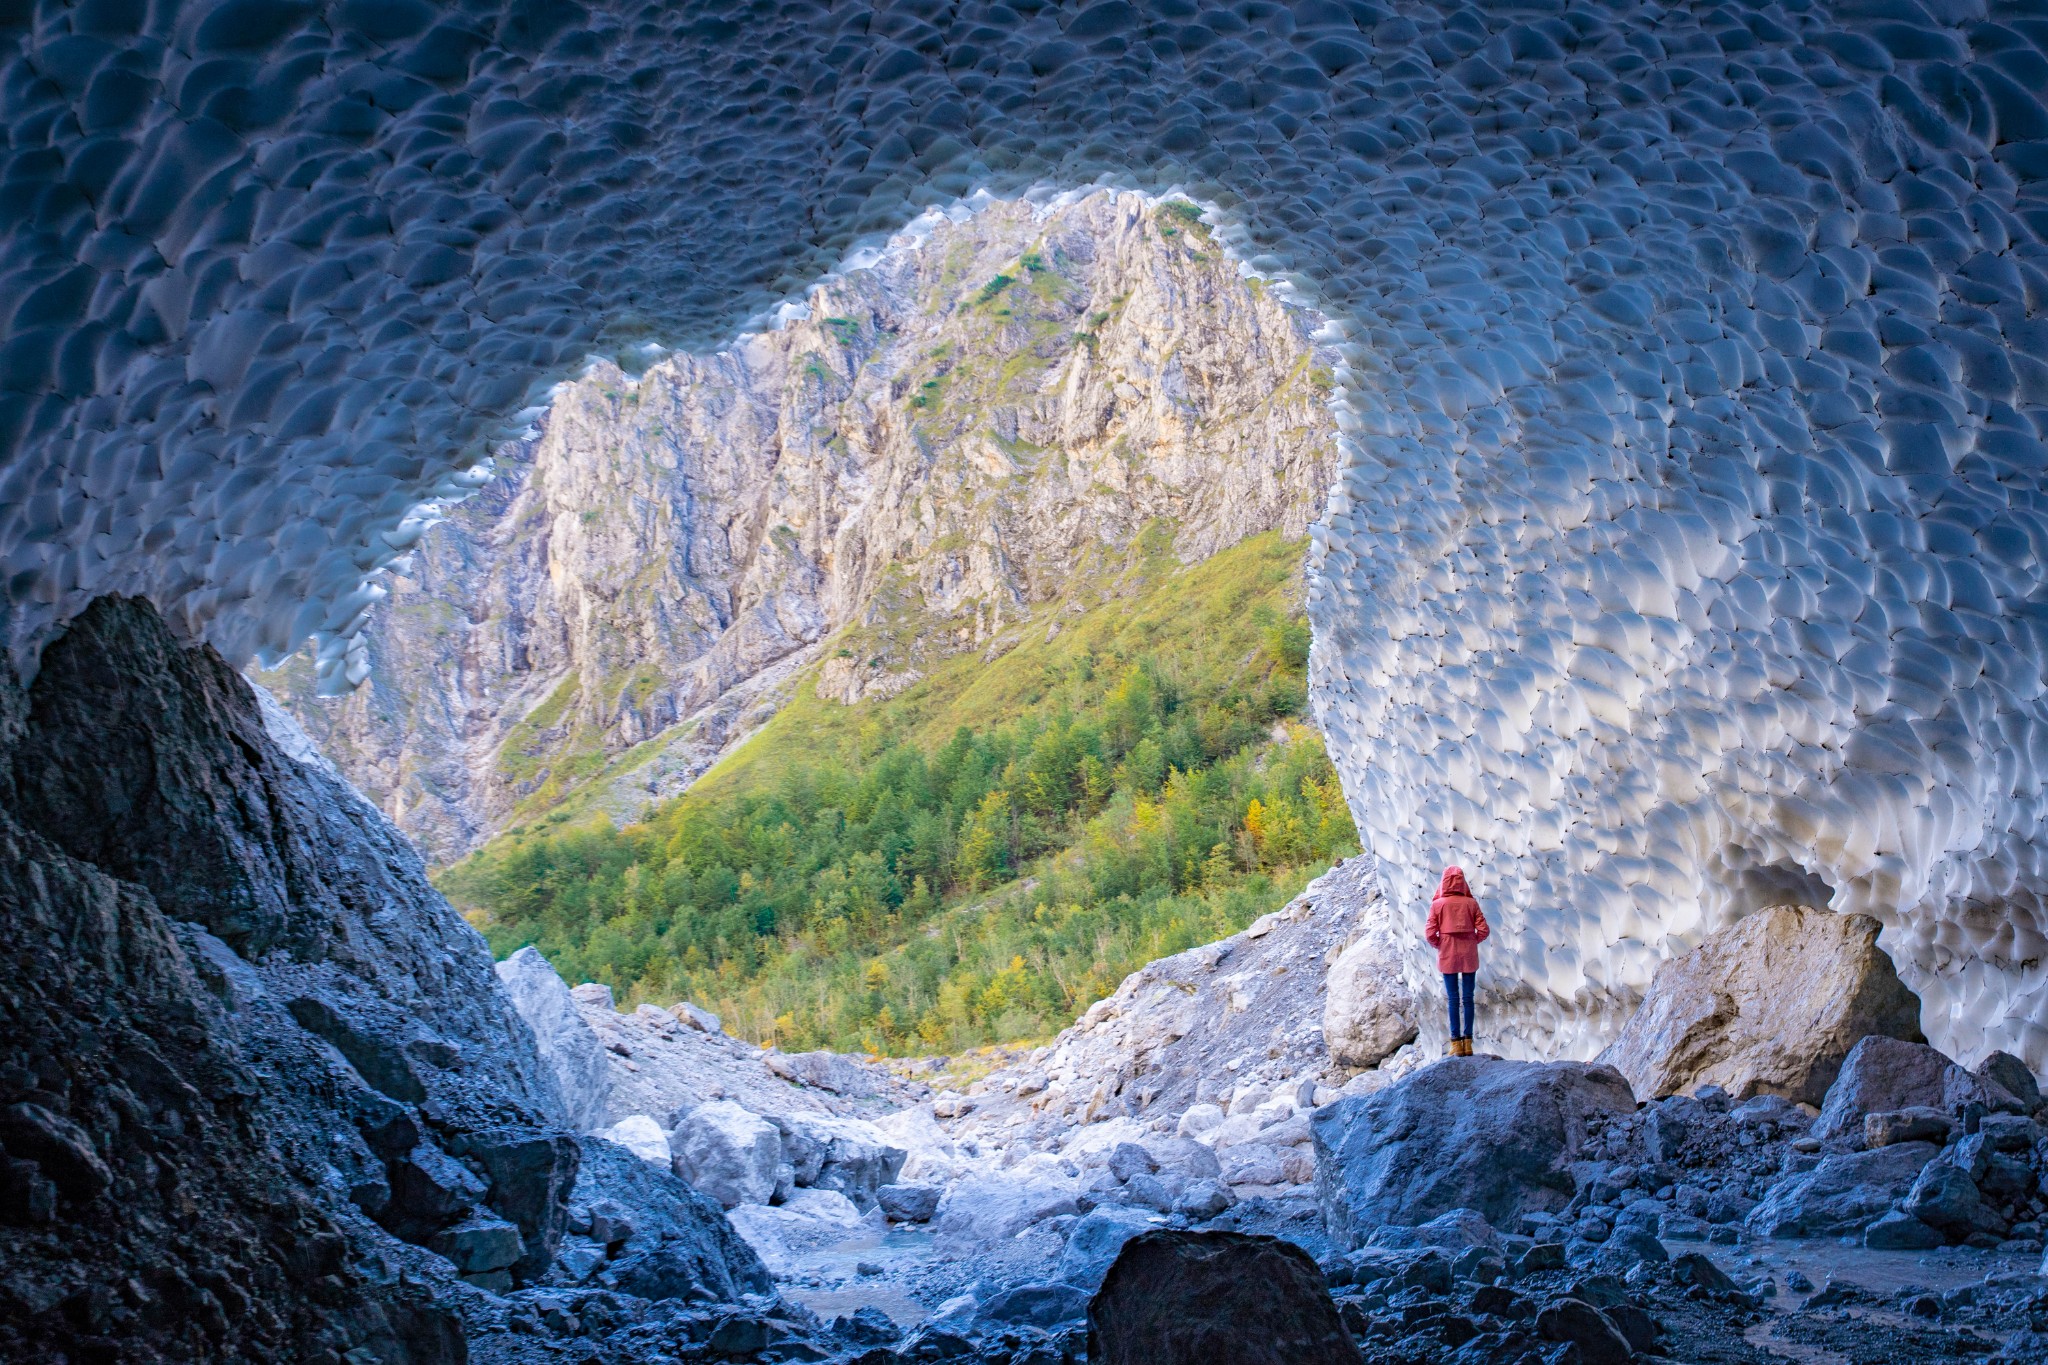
[1451,1048]
[1464,1047]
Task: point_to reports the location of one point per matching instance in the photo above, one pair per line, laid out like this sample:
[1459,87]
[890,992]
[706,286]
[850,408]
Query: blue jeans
[1458,986]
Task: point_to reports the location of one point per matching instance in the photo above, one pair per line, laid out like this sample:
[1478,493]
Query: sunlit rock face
[1689,555]
[997,423]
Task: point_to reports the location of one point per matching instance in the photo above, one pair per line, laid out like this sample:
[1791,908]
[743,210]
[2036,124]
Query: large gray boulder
[1368,1010]
[1882,1075]
[1843,1193]
[1474,1133]
[567,1046]
[983,1211]
[1770,1005]
[847,1155]
[727,1152]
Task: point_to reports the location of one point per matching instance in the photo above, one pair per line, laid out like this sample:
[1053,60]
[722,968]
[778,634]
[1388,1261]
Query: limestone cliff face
[989,422]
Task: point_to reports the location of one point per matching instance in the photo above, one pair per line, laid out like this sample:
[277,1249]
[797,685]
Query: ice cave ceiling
[1690,551]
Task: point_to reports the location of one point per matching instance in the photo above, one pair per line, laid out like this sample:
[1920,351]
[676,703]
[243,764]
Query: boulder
[1128,1159]
[1698,1269]
[984,1210]
[531,1174]
[643,1137]
[1368,1010]
[1199,1119]
[847,1155]
[1184,1156]
[727,1152]
[1906,1125]
[1430,1269]
[1174,1297]
[1094,1242]
[1598,1340]
[1770,1005]
[666,1241]
[2011,1075]
[1454,1232]
[480,1243]
[567,1046]
[1884,1075]
[832,1071]
[1203,1200]
[1477,1133]
[697,1017]
[908,1203]
[1899,1231]
[1945,1195]
[1253,1164]
[1036,1305]
[429,1190]
[1843,1193]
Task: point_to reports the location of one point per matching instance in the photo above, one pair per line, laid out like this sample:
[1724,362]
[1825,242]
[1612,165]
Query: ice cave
[1684,574]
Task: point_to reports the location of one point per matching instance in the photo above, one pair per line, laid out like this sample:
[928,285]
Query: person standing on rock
[1456,928]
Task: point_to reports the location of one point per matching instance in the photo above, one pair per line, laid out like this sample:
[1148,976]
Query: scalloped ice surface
[1689,554]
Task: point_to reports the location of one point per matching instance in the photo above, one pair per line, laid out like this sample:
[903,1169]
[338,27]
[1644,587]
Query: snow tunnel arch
[1691,530]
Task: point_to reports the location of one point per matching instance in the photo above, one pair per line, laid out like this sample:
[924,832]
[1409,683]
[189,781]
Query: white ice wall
[1690,553]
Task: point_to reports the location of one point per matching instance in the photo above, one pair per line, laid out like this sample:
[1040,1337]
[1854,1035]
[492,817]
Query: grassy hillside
[977,858]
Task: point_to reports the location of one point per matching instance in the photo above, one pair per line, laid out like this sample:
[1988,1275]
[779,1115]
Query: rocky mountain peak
[1008,414]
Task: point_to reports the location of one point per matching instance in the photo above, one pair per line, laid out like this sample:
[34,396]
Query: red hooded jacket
[1456,924]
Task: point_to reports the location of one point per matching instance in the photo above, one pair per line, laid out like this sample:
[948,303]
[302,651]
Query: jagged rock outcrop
[251,1064]
[1770,1005]
[972,432]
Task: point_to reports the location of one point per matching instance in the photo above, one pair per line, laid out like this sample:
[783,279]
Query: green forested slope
[978,858]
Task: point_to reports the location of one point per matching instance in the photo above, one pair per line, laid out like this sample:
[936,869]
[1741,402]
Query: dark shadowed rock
[1598,1340]
[1899,1231]
[679,1244]
[1842,1194]
[1037,1305]
[1223,1298]
[1473,1133]
[173,880]
[531,1174]
[1696,1268]
[60,1147]
[2012,1075]
[1885,1075]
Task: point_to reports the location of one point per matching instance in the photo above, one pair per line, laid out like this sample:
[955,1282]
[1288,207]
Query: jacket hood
[1454,883]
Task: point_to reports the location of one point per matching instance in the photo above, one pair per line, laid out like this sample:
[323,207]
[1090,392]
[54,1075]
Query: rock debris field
[1465,1209]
